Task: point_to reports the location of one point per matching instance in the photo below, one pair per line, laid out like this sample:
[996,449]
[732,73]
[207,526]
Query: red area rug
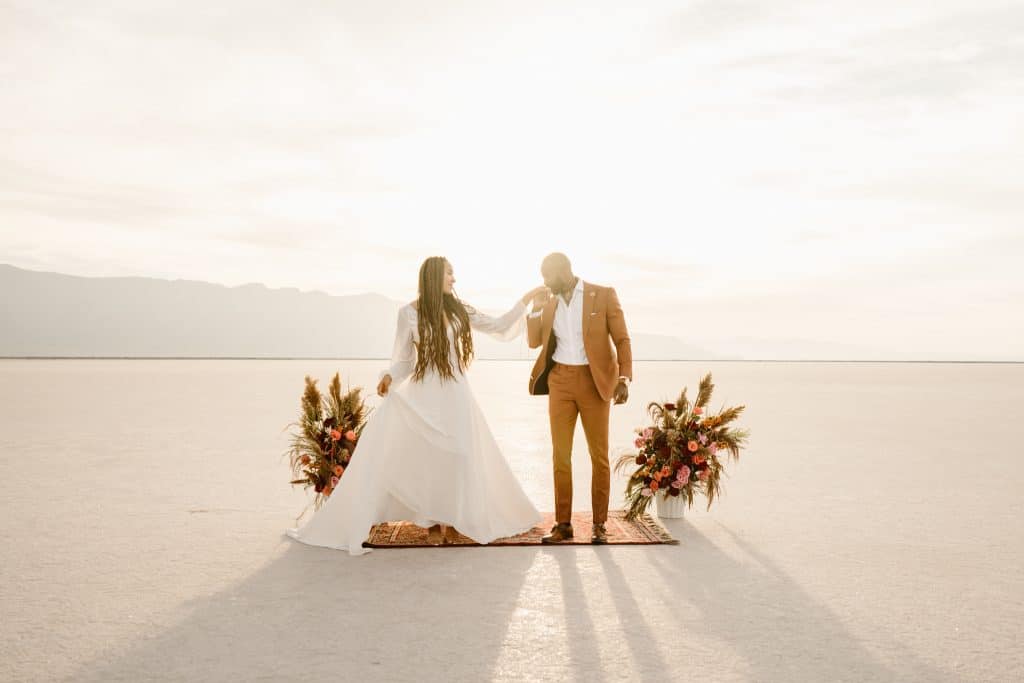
[641,531]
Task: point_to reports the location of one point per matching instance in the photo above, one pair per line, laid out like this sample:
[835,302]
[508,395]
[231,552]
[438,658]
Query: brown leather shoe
[600,536]
[559,533]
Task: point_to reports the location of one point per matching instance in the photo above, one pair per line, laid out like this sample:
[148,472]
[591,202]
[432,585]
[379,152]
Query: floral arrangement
[325,436]
[681,453]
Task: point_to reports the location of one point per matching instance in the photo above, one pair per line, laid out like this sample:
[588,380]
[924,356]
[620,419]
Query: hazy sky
[842,172]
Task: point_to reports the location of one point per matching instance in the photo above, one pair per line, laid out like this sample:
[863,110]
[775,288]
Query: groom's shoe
[559,533]
[599,536]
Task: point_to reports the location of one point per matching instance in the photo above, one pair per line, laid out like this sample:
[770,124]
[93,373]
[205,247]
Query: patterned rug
[641,531]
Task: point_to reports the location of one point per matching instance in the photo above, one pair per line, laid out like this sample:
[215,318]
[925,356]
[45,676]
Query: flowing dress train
[427,456]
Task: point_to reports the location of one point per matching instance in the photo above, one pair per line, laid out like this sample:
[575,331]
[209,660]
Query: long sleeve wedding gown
[426,455]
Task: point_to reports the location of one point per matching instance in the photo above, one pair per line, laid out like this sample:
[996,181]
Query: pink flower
[678,484]
[334,482]
[683,474]
[335,435]
[350,435]
[693,446]
[713,449]
[703,439]
[639,442]
[697,410]
[646,493]
[704,474]
[648,433]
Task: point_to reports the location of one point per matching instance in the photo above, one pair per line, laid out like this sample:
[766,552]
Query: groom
[581,374]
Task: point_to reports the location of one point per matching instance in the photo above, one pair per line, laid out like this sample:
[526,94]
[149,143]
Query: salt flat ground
[871,532]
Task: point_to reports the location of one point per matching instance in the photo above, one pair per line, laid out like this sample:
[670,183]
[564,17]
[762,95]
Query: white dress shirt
[568,329]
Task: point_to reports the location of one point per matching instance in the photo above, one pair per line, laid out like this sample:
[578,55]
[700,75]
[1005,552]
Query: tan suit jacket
[605,340]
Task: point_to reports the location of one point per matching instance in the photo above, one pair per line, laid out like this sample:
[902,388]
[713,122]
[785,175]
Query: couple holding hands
[427,454]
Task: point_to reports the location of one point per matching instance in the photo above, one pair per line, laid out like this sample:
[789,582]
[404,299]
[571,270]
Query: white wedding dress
[427,456]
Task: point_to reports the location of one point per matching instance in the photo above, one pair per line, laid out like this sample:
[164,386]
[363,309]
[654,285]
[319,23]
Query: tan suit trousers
[572,393]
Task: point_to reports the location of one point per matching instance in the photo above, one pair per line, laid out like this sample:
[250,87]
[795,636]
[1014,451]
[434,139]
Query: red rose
[670,406]
[673,491]
[641,459]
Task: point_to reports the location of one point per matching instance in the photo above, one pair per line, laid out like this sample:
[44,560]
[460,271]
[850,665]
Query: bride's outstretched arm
[403,356]
[505,327]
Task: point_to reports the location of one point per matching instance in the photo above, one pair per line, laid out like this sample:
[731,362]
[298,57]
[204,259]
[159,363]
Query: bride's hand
[539,296]
[384,385]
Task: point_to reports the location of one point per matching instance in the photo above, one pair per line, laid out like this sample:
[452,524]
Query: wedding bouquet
[325,436]
[681,453]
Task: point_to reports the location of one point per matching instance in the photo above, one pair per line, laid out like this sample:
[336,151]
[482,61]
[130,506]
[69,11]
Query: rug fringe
[660,531]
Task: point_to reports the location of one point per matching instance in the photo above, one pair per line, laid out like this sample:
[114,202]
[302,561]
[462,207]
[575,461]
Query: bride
[426,454]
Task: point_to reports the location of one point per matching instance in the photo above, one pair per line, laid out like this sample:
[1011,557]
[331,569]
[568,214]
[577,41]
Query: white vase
[670,507]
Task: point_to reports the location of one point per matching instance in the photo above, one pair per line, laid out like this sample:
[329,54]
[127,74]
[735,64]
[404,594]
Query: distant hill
[49,314]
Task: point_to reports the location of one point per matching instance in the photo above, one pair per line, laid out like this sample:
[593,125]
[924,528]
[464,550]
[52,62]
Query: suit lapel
[589,298]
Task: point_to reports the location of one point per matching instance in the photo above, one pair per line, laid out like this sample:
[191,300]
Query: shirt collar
[577,288]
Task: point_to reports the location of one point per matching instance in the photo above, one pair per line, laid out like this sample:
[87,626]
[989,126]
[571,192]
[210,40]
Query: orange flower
[693,446]
[654,485]
[665,471]
[697,410]
[338,470]
[350,435]
[304,460]
[698,459]
[335,435]
[327,491]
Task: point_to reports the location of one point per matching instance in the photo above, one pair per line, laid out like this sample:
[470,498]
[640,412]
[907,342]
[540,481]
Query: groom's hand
[533,295]
[540,297]
[621,394]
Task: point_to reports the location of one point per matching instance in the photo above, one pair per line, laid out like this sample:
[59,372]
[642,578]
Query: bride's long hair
[432,305]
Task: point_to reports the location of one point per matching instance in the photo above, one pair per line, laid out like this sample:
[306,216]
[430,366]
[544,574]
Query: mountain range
[54,315]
